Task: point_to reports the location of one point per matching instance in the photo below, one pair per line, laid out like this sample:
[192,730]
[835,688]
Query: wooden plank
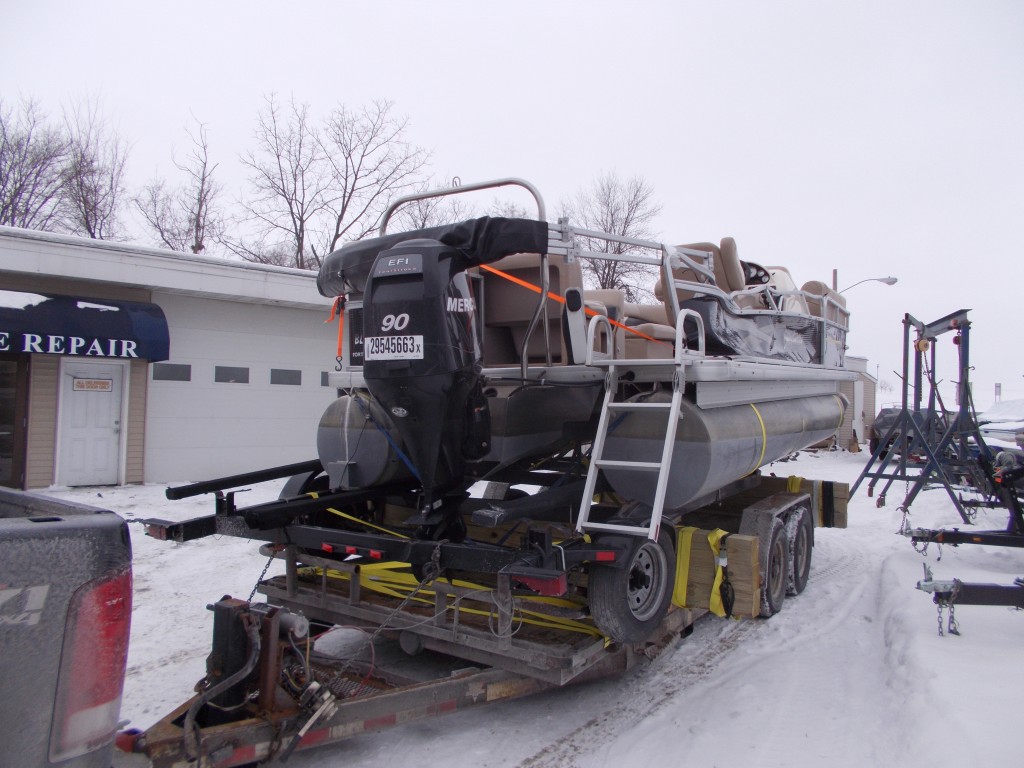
[840,497]
[744,573]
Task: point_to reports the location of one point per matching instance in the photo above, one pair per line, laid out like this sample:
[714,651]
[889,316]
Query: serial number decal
[393,348]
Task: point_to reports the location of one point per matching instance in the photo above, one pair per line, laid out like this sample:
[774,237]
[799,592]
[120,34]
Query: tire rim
[647,581]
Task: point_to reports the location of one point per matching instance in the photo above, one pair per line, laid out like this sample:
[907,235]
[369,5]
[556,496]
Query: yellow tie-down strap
[711,600]
[396,580]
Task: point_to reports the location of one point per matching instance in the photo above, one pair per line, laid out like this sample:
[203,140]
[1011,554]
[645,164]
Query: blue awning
[82,327]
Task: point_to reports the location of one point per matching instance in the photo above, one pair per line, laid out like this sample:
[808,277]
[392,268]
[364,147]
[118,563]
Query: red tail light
[92,666]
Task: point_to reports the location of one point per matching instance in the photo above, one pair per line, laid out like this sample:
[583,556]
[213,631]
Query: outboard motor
[421,356]
[421,360]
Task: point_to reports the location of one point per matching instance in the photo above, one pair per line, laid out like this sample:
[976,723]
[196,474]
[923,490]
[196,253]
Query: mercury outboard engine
[421,353]
[421,357]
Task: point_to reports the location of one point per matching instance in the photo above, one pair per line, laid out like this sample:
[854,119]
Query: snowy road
[852,672]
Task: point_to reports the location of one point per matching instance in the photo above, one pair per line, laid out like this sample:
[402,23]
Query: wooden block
[743,570]
[745,574]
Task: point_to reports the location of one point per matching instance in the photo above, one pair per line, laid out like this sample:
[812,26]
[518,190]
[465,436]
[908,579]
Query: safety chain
[953,626]
[904,522]
[261,577]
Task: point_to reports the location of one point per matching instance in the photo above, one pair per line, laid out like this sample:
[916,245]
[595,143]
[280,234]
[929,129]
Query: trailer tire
[774,570]
[629,603]
[800,530]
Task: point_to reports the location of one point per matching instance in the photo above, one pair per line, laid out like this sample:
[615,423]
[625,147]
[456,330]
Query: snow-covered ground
[851,673]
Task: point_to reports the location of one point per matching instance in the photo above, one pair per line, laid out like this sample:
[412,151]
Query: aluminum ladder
[611,405]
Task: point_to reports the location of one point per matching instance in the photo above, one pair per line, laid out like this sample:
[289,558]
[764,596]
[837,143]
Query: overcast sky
[876,138]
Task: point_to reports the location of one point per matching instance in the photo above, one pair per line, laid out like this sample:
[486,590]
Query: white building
[861,395]
[123,364]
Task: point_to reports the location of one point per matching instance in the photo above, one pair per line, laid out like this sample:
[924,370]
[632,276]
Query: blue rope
[401,454]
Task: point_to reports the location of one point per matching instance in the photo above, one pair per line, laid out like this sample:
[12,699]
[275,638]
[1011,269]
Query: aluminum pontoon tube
[716,446]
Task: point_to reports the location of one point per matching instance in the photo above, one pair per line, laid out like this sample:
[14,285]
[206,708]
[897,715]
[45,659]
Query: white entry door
[858,409]
[90,423]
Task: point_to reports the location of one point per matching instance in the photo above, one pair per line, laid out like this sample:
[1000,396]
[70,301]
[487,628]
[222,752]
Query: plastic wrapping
[769,335]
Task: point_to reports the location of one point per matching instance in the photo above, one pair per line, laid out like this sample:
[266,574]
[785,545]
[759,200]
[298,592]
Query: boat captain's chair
[728,271]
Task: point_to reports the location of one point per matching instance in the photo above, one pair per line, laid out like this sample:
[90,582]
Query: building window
[228,374]
[285,376]
[172,372]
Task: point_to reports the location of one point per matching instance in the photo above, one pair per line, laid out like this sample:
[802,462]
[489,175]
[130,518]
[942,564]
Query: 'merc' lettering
[68,345]
[460,305]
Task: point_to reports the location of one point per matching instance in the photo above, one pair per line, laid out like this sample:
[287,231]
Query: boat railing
[600,324]
[569,242]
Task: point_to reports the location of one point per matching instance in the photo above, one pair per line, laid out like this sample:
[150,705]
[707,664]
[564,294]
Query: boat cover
[480,241]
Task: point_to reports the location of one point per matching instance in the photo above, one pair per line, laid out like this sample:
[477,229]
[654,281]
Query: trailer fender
[303,483]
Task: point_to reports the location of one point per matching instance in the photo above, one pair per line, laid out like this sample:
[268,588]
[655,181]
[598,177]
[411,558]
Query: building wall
[201,428]
[135,450]
[41,437]
[219,313]
[845,436]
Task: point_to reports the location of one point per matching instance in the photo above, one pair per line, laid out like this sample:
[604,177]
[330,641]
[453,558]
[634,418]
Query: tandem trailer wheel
[628,604]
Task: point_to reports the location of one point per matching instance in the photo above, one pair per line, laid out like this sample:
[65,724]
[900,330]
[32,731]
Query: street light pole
[887,280]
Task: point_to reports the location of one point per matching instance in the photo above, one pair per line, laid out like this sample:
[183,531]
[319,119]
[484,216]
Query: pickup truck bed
[65,612]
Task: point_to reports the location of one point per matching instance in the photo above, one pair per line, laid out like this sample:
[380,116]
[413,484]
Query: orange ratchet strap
[338,308]
[561,300]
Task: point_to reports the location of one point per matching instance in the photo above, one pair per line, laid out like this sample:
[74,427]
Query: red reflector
[327,547]
[376,554]
[350,550]
[92,666]
[605,556]
[549,586]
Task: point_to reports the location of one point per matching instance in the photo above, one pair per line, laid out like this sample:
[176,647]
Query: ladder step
[638,406]
[637,529]
[651,466]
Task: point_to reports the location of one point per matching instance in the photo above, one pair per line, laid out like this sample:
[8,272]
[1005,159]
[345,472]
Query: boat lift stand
[949,457]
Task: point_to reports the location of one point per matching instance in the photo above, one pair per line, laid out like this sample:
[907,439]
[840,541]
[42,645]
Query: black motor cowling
[421,346]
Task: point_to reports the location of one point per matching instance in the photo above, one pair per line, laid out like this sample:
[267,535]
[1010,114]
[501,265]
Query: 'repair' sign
[67,345]
[33,323]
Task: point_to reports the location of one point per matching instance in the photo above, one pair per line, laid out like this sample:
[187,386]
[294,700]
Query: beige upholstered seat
[816,292]
[509,307]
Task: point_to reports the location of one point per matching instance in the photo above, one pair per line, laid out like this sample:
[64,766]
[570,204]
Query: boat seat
[816,292]
[509,308]
[610,302]
[728,271]
[647,313]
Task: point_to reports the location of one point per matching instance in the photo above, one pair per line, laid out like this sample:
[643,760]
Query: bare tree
[431,211]
[93,175]
[371,163]
[316,187]
[32,158]
[188,217]
[291,184]
[625,208]
[509,210]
